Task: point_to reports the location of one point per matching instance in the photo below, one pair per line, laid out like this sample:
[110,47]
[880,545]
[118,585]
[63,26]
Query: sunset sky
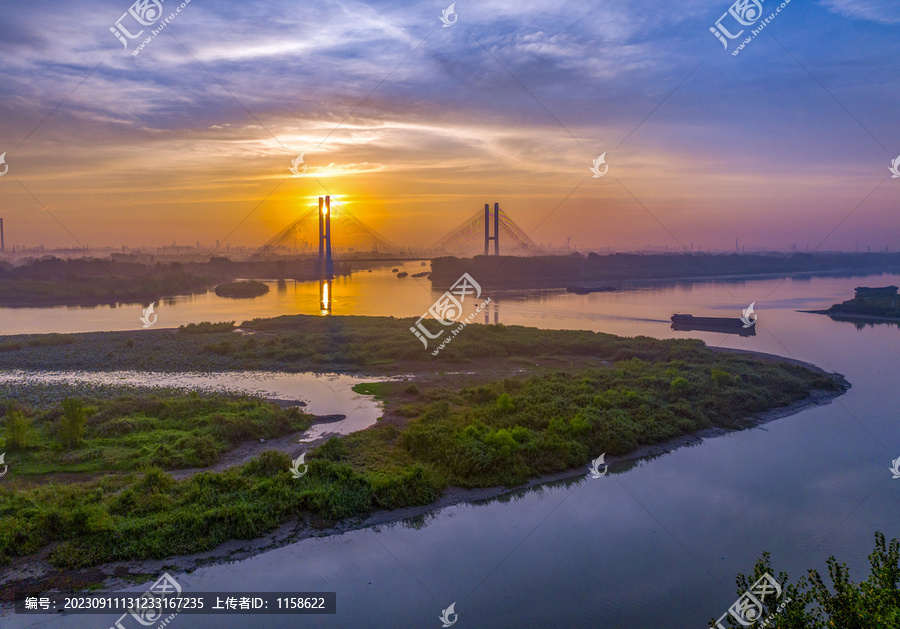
[413,126]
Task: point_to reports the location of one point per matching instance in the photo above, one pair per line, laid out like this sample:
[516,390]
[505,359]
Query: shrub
[505,404]
[222,348]
[680,386]
[269,464]
[334,449]
[154,480]
[17,429]
[72,423]
[721,377]
[198,450]
[502,442]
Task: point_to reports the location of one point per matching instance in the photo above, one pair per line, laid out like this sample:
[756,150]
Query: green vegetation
[478,429]
[17,431]
[872,603]
[342,343]
[511,430]
[378,389]
[242,290]
[126,433]
[491,433]
[72,423]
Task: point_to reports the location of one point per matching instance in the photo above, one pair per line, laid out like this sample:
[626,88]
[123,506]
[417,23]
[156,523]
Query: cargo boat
[584,290]
[729,325]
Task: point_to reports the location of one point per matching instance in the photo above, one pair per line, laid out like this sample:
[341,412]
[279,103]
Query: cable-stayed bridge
[495,230]
[328,234]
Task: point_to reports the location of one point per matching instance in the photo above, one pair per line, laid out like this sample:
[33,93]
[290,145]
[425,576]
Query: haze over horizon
[412,126]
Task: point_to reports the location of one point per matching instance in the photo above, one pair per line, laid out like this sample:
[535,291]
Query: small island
[242,290]
[102,480]
[880,304]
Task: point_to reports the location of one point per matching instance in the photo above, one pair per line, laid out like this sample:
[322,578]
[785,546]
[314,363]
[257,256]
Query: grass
[377,389]
[130,432]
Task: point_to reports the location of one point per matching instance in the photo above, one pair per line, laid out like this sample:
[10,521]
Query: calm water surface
[657,544]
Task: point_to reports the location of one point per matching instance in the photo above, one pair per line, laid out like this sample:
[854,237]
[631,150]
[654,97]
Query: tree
[871,604]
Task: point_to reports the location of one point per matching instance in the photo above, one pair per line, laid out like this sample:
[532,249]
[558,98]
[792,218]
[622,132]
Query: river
[656,544]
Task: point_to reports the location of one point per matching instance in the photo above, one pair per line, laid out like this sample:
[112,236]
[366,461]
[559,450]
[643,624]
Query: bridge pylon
[326,266]
[487,229]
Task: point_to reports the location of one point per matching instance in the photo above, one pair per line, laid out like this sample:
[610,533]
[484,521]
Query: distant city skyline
[414,126]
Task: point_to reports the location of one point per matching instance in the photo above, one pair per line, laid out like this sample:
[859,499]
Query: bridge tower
[487,229]
[326,266]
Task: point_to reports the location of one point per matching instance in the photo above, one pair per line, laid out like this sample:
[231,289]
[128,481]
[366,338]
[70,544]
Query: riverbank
[132,279]
[618,269]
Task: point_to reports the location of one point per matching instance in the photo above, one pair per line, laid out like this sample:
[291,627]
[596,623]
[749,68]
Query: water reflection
[863,322]
[701,327]
[492,306]
[325,297]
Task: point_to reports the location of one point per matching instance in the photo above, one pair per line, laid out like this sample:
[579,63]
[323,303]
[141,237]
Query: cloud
[880,11]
